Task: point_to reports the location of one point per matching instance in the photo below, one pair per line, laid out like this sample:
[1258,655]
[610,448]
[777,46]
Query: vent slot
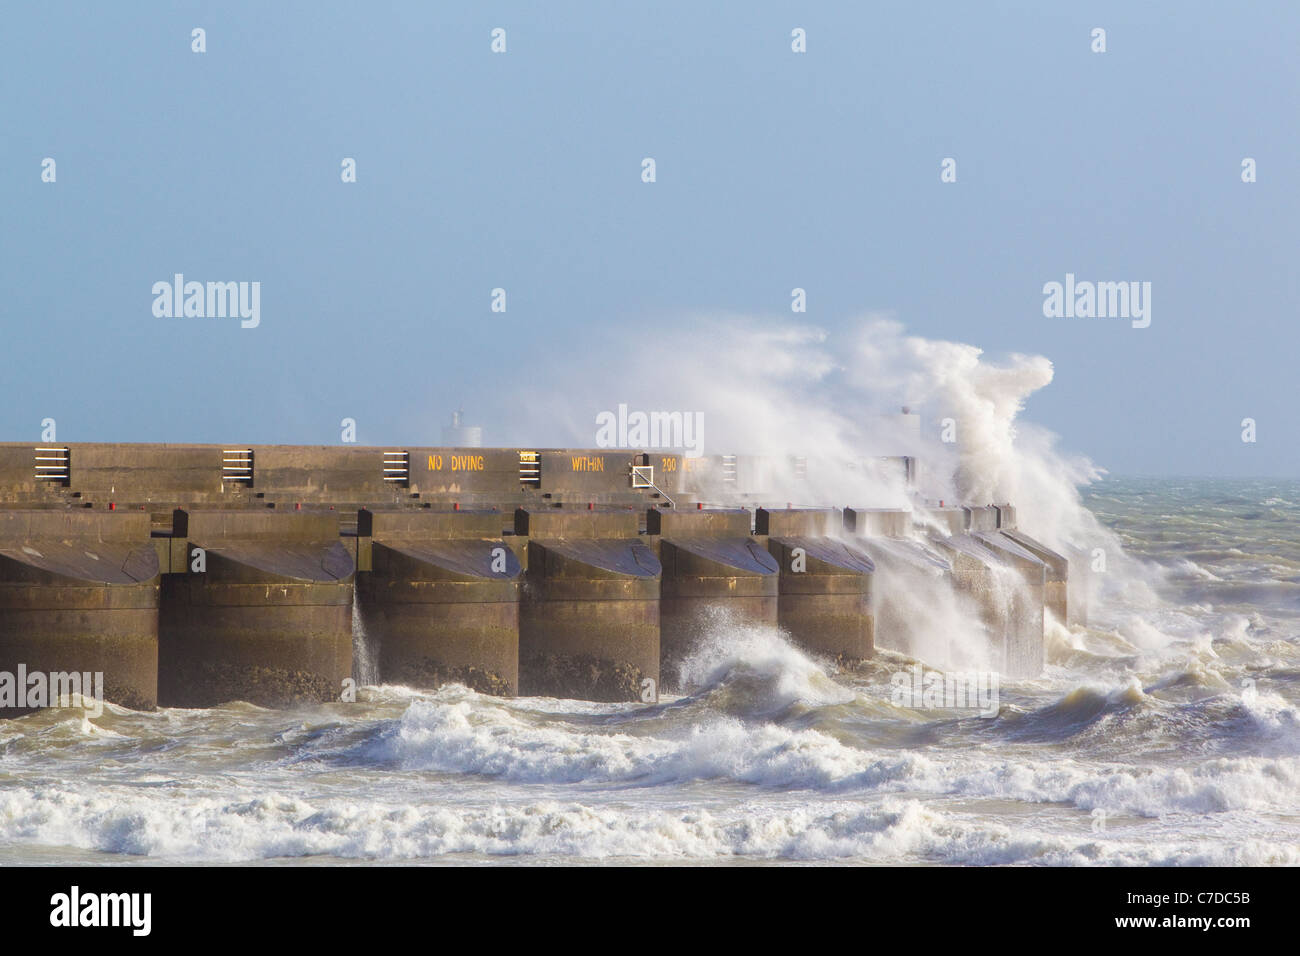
[397,468]
[54,465]
[530,469]
[729,468]
[237,466]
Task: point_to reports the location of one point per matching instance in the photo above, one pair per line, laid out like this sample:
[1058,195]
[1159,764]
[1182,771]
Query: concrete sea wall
[190,575]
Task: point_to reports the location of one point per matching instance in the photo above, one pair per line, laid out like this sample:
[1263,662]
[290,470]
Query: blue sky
[522,170]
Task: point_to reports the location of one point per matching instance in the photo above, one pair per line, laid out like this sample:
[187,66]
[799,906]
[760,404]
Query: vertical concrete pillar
[78,595]
[440,602]
[262,611]
[711,565]
[825,584]
[589,614]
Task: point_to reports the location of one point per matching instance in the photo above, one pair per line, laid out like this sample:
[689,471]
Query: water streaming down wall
[365,657]
[1006,583]
[918,611]
[581,573]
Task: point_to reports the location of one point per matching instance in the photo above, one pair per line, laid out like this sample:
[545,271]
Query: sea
[1164,732]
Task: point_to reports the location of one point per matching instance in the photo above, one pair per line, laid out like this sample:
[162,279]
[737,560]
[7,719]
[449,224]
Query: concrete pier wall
[441,600]
[573,572]
[164,476]
[1023,611]
[1007,585]
[1065,592]
[976,552]
[589,613]
[878,522]
[825,584]
[1079,586]
[263,611]
[1056,594]
[79,593]
[715,575]
[911,578]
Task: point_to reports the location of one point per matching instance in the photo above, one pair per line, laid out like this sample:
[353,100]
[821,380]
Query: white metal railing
[800,466]
[530,468]
[237,465]
[643,476]
[397,467]
[53,464]
[728,467]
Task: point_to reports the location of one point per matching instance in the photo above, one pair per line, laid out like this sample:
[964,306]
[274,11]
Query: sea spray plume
[765,388]
[774,388]
[951,380]
[997,456]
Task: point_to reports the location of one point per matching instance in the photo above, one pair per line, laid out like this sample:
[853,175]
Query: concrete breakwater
[190,575]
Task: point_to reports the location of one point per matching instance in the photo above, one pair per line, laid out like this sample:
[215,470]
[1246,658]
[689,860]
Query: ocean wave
[244,828]
[474,736]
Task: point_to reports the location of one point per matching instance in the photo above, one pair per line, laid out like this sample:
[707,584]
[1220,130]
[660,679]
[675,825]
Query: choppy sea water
[1166,732]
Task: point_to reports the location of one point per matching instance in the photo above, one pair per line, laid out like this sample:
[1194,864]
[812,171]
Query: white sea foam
[244,825]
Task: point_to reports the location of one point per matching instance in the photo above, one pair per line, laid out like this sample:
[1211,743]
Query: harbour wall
[191,575]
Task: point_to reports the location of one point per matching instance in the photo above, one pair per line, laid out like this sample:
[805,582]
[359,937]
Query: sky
[522,170]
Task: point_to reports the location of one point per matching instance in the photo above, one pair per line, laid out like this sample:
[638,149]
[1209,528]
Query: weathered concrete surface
[715,574]
[164,476]
[589,614]
[877,522]
[79,592]
[441,601]
[944,521]
[269,620]
[825,583]
[981,518]
[798,521]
